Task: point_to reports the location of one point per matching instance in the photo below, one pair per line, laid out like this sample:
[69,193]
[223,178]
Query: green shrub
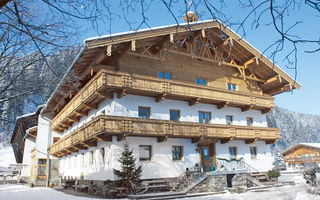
[273,173]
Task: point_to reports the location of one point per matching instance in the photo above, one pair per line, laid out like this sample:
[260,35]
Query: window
[164,75]
[229,119]
[249,121]
[204,117]
[102,153]
[145,152]
[200,81]
[232,86]
[177,153]
[233,152]
[174,115]
[144,112]
[299,156]
[91,157]
[42,161]
[305,155]
[253,152]
[42,167]
[312,154]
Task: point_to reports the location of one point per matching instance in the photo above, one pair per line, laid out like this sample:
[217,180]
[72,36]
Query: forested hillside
[294,127]
[32,87]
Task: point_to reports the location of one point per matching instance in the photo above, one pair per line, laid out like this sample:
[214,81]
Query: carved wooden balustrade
[103,127]
[303,159]
[105,83]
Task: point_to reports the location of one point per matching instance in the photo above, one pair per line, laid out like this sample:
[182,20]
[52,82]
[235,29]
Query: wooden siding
[103,127]
[296,155]
[105,83]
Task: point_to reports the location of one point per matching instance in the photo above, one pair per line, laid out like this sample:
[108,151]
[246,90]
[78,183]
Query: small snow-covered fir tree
[129,174]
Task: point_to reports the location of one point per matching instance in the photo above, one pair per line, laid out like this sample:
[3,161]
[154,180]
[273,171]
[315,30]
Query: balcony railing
[104,83]
[103,127]
[303,159]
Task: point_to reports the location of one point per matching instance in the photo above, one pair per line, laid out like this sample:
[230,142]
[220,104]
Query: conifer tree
[129,174]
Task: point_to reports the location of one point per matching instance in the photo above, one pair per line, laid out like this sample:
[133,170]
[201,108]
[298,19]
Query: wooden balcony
[312,159]
[103,127]
[105,83]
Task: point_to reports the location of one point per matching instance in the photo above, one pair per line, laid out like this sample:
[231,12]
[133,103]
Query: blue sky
[304,100]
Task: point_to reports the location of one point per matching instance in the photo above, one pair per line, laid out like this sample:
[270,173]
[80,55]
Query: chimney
[190,17]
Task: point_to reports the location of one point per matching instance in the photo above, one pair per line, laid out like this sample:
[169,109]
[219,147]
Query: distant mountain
[294,127]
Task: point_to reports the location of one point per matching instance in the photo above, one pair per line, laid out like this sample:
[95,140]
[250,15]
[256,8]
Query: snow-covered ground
[295,192]
[6,157]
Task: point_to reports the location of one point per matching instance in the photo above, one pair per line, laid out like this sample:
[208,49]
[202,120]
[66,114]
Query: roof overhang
[95,50]
[294,148]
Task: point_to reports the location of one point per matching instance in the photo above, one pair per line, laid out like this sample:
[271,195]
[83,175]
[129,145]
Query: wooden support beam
[104,96]
[121,137]
[81,146]
[243,109]
[277,89]
[73,149]
[203,32]
[121,93]
[133,45]
[91,106]
[196,139]
[81,113]
[250,141]
[109,50]
[227,140]
[194,101]
[271,141]
[266,110]
[105,137]
[171,38]
[161,97]
[222,105]
[92,143]
[73,119]
[162,139]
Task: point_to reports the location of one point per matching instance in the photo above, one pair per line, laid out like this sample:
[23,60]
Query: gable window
[145,152]
[164,75]
[305,155]
[232,86]
[229,119]
[102,153]
[200,81]
[177,153]
[204,117]
[253,152]
[174,115]
[144,112]
[233,152]
[249,121]
[299,156]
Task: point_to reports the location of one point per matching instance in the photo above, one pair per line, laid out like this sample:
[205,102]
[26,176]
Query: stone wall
[213,183]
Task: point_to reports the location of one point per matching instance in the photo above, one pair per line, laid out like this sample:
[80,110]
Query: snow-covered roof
[111,39]
[317,145]
[293,148]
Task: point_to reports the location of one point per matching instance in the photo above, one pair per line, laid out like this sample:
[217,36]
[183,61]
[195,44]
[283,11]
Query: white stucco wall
[263,161]
[128,107]
[160,166]
[26,161]
[43,137]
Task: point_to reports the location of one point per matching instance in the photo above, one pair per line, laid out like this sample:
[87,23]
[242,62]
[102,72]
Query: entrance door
[207,157]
